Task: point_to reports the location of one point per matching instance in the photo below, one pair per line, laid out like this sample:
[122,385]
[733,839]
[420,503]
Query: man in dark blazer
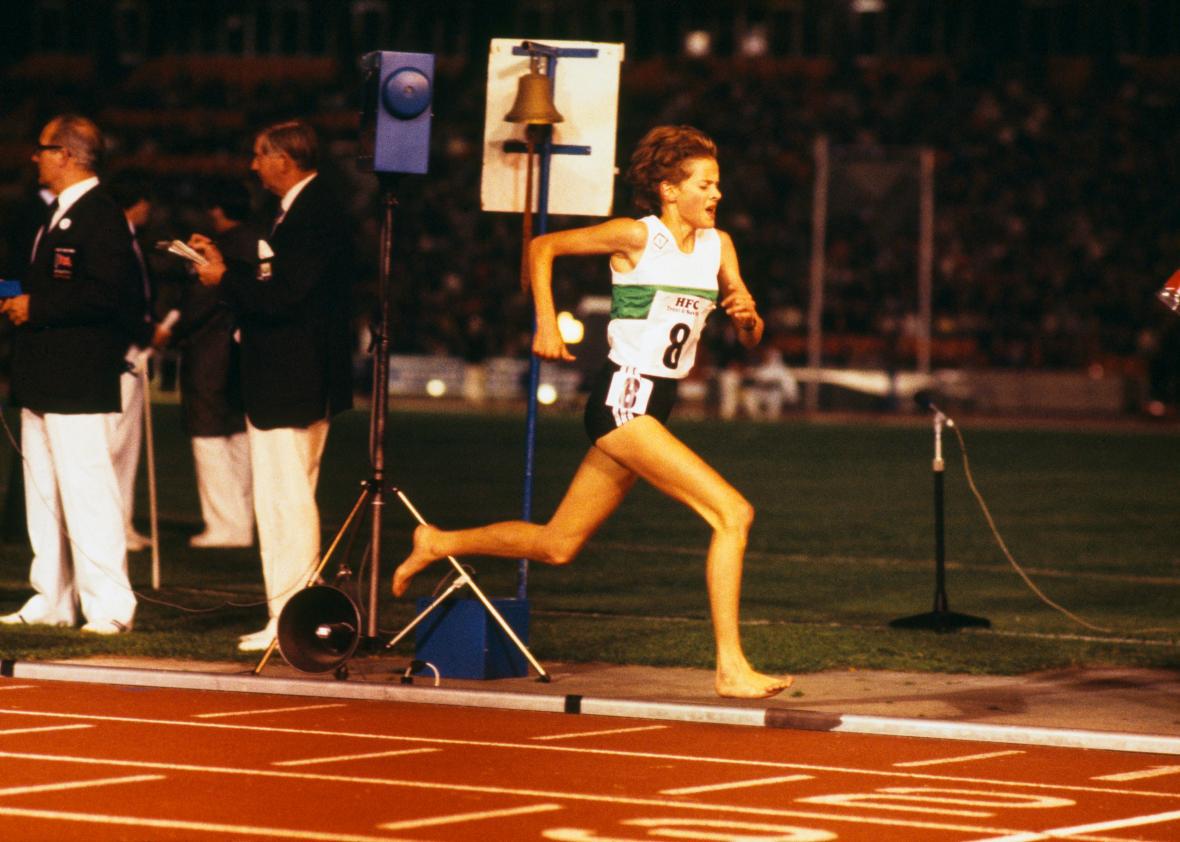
[80,294]
[292,309]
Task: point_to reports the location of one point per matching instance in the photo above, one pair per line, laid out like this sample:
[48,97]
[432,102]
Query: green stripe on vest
[634,302]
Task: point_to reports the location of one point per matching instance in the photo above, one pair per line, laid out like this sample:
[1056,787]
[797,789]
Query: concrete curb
[720,714]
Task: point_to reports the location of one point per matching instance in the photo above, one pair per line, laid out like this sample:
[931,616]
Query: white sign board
[586,94]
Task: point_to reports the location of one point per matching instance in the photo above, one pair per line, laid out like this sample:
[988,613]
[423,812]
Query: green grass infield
[842,544]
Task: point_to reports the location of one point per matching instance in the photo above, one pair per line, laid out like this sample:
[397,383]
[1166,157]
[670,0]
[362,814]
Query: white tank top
[659,308]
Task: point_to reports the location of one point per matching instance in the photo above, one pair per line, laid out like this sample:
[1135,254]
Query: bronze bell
[534,101]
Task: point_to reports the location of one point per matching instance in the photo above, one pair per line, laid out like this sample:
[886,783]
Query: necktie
[143,273]
[49,212]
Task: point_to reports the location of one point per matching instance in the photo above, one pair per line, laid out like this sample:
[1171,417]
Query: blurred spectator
[1054,218]
[210,381]
[767,386]
[131,191]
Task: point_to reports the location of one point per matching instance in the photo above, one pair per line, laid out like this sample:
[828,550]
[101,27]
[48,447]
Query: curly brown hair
[660,156]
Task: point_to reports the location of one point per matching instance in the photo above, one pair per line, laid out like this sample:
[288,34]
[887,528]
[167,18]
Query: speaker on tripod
[397,92]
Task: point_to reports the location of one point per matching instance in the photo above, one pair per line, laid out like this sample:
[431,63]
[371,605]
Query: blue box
[463,640]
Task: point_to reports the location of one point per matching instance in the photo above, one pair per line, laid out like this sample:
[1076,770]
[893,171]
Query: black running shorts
[619,394]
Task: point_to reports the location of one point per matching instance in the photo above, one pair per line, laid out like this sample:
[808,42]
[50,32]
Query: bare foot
[748,684]
[419,559]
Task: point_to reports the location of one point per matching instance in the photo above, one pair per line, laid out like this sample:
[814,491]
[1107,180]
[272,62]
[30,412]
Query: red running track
[98,762]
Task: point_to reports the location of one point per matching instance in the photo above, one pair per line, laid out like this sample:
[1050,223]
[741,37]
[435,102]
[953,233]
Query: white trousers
[223,486]
[127,441]
[728,386]
[75,520]
[285,463]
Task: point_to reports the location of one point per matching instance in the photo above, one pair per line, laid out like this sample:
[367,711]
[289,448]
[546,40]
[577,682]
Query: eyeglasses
[46,147]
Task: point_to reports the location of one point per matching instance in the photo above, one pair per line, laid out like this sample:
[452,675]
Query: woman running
[669,270]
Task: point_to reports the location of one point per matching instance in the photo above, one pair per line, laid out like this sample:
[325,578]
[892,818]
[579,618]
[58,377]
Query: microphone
[924,398]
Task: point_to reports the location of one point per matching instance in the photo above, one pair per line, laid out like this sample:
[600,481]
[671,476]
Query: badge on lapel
[265,254]
[63,263]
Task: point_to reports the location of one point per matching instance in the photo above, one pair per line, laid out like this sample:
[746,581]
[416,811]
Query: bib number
[629,393]
[673,329]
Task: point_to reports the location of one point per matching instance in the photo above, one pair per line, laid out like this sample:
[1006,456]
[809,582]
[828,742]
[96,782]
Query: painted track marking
[576,734]
[1077,830]
[693,790]
[1153,772]
[42,728]
[127,779]
[583,797]
[647,755]
[266,710]
[205,827]
[310,761]
[695,829]
[939,800]
[18,687]
[458,818]
[962,759]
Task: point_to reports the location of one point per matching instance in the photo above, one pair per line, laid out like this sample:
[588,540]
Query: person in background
[79,299]
[767,386]
[292,309]
[132,193]
[210,379]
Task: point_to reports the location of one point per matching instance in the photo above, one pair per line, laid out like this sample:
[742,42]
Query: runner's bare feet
[419,558]
[748,684]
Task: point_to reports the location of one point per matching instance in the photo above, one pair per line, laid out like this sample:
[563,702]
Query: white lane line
[693,790]
[962,759]
[237,830]
[17,686]
[311,761]
[129,779]
[547,795]
[266,710]
[457,818]
[1153,772]
[577,734]
[1078,830]
[10,731]
[641,755]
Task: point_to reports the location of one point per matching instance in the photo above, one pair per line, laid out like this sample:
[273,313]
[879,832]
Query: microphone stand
[940,618]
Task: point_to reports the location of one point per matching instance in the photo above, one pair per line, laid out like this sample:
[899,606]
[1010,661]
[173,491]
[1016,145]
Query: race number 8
[677,336]
[629,393]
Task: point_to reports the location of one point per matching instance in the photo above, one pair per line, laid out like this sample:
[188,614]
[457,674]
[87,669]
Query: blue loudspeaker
[397,92]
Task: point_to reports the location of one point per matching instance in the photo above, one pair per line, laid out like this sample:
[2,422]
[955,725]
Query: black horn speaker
[319,629]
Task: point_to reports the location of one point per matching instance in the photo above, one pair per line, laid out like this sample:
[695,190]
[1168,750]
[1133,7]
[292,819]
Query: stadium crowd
[1054,219]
